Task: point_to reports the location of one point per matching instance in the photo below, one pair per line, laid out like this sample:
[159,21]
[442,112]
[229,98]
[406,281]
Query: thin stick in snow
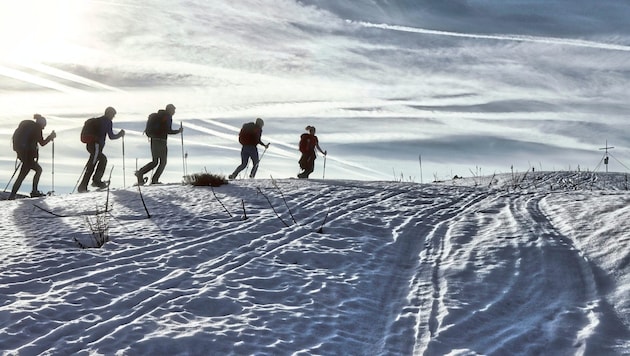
[321,227]
[244,212]
[143,203]
[272,208]
[275,184]
[219,200]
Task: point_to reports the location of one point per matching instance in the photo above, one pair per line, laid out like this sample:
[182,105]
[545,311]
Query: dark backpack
[22,136]
[91,130]
[305,143]
[248,135]
[156,125]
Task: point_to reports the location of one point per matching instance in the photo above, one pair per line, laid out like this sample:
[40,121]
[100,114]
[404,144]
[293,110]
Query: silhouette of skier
[250,138]
[97,159]
[25,140]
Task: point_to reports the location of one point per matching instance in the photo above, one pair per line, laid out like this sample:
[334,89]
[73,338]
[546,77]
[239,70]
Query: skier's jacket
[249,134]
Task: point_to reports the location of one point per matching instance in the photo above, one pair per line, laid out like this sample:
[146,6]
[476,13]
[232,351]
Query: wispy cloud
[500,37]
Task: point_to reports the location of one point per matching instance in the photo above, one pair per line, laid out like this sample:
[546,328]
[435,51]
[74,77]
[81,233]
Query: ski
[5,196]
[144,181]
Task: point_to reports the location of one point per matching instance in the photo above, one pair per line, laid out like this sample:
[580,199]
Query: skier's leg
[89,167]
[100,169]
[162,154]
[38,173]
[244,159]
[26,166]
[154,161]
[253,154]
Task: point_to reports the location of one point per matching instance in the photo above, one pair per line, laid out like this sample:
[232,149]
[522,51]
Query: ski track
[442,269]
[508,307]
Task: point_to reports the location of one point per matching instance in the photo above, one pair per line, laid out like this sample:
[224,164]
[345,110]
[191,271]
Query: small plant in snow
[98,226]
[205,179]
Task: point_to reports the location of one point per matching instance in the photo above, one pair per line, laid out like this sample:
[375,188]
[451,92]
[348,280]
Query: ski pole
[53,166]
[263,154]
[181,131]
[324,174]
[17,166]
[420,162]
[81,176]
[123,153]
[260,159]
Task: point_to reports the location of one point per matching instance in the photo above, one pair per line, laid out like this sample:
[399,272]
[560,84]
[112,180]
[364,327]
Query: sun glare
[40,30]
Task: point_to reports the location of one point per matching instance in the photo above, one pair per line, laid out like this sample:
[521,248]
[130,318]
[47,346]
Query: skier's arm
[320,149]
[50,137]
[110,131]
[173,132]
[260,139]
[120,134]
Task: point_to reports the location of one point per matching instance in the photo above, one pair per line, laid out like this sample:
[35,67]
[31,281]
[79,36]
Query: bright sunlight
[41,30]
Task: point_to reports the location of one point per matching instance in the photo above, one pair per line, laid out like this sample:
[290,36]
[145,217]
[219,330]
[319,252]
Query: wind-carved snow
[492,267]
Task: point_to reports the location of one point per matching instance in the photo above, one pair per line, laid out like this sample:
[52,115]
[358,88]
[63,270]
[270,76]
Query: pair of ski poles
[18,165]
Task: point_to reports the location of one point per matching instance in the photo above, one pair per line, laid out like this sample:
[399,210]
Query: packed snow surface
[527,264]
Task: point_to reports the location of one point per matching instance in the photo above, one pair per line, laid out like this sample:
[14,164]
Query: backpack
[305,143]
[91,130]
[156,125]
[248,135]
[22,136]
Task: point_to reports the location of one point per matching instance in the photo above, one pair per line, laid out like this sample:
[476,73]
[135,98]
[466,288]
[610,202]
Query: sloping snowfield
[533,264]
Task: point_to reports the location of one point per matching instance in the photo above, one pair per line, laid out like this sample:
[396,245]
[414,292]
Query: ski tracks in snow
[398,269]
[497,278]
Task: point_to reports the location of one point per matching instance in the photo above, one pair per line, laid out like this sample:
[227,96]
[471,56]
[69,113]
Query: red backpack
[305,143]
[248,135]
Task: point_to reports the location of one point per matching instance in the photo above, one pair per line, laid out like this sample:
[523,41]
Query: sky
[404,90]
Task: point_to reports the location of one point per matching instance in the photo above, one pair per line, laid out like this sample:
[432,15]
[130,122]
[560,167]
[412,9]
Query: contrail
[33,79]
[516,38]
[68,76]
[37,80]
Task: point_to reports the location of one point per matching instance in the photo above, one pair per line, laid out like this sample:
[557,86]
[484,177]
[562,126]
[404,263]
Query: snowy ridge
[399,268]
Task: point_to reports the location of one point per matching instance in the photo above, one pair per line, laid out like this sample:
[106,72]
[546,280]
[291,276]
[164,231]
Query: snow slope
[529,264]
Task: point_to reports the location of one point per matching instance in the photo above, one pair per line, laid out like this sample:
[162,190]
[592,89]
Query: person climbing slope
[308,143]
[250,137]
[25,140]
[159,126]
[93,134]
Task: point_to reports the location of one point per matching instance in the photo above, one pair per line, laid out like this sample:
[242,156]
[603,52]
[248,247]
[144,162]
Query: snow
[525,264]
